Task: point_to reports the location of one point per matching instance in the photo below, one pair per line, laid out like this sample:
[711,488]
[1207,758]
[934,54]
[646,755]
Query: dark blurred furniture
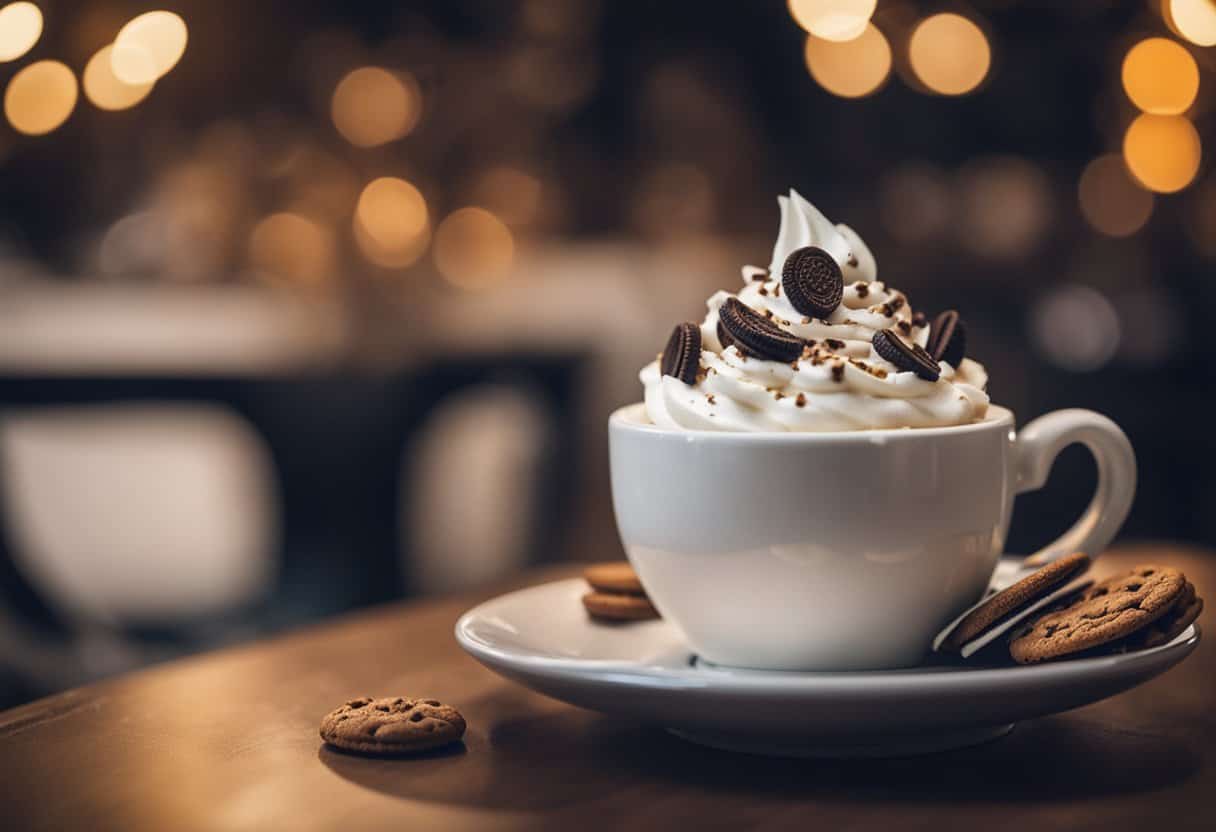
[230,741]
[336,441]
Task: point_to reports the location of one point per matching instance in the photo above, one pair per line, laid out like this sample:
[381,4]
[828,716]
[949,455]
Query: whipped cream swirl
[840,383]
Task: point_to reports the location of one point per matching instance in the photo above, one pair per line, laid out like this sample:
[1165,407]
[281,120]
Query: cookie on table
[619,606]
[616,576]
[1105,613]
[392,725]
[1015,597]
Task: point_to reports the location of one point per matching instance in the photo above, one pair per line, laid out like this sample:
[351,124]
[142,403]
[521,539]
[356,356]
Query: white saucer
[542,638]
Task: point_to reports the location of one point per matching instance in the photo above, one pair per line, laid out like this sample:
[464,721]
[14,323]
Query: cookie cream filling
[839,383]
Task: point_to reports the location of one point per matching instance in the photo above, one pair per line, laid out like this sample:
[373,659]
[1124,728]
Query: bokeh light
[391,224]
[1160,76]
[1195,20]
[40,97]
[835,20]
[949,54]
[1162,152]
[1075,328]
[372,106]
[132,63]
[510,194]
[105,89]
[20,28]
[851,69]
[473,248]
[292,249]
[1005,207]
[149,46]
[1111,201]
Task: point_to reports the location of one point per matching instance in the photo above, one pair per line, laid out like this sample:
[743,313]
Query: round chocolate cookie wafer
[812,281]
[756,334]
[947,338]
[682,356]
[1107,612]
[619,606]
[617,576]
[392,725]
[1015,597]
[1169,626]
[913,358]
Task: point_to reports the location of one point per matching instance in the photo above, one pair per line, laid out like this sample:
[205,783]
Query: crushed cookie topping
[837,372]
[764,290]
[863,289]
[709,397]
[778,395]
[834,343]
[801,400]
[904,327]
[877,372]
[806,320]
[892,306]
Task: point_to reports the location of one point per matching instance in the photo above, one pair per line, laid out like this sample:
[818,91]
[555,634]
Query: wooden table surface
[229,740]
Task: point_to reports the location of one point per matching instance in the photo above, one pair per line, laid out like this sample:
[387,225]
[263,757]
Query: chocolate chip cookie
[392,725]
[1110,610]
[1016,597]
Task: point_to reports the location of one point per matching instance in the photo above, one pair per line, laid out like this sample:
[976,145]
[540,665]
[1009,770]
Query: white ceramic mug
[840,551]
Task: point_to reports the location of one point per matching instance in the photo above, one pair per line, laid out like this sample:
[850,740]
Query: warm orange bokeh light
[1160,77]
[293,249]
[372,106]
[40,97]
[949,54]
[1111,200]
[148,47]
[835,20]
[1162,152]
[473,248]
[851,69]
[105,89]
[1195,20]
[20,28]
[391,224]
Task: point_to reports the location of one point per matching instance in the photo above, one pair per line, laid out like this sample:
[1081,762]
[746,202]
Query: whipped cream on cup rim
[840,383]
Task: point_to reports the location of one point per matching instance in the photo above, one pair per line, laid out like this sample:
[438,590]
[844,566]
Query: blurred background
[306,306]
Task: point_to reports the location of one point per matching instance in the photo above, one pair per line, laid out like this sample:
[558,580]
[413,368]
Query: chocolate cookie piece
[894,349]
[617,576]
[1169,626]
[812,281]
[723,336]
[682,356]
[392,725]
[619,606]
[1014,598]
[756,334]
[948,338]
[1107,612]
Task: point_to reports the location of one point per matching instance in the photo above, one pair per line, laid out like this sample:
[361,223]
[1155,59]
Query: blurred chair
[147,515]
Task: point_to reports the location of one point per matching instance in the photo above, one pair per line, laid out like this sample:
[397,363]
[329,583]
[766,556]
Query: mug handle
[1037,446]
